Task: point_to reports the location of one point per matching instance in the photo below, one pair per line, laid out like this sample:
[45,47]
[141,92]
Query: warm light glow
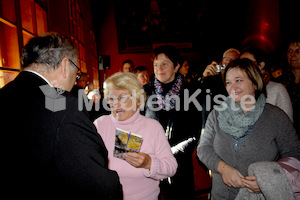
[7,23]
[9,47]
[1,79]
[265,25]
[27,15]
[264,31]
[260,40]
[41,19]
[26,37]
[6,77]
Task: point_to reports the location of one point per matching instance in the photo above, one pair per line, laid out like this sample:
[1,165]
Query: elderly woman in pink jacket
[140,171]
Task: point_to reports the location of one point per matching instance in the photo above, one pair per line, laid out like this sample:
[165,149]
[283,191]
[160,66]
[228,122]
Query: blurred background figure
[81,83]
[142,74]
[293,58]
[211,82]
[229,55]
[128,66]
[184,67]
[277,94]
[276,71]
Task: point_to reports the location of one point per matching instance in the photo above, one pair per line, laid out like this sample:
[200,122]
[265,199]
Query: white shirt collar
[40,75]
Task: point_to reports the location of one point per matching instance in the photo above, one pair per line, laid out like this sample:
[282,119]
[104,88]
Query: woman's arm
[205,149]
[138,160]
[287,140]
[157,158]
[251,183]
[208,156]
[163,162]
[230,176]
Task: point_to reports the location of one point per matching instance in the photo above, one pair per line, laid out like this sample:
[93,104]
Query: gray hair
[48,49]
[231,50]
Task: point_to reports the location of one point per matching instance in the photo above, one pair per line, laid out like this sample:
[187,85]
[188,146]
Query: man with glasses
[228,56]
[51,153]
[211,82]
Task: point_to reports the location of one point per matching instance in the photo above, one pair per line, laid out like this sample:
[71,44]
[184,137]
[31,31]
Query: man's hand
[210,70]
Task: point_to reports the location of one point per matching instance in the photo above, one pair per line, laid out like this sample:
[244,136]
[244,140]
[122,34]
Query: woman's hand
[251,183]
[230,175]
[138,160]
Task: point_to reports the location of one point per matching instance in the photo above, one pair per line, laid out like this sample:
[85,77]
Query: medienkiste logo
[54,100]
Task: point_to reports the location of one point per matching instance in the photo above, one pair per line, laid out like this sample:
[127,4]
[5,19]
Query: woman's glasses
[122,99]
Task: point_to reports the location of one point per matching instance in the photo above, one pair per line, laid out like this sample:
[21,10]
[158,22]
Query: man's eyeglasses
[227,59]
[122,99]
[78,70]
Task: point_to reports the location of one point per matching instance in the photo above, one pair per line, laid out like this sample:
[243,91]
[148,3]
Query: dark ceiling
[206,25]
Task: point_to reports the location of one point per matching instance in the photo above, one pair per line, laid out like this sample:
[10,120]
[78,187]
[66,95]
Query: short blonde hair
[126,81]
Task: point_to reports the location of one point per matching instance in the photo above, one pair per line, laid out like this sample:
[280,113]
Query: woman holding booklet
[147,156]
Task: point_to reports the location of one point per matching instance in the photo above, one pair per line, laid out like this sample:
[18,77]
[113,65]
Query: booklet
[126,141]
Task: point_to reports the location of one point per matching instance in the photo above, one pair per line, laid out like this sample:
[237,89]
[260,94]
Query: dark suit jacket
[46,154]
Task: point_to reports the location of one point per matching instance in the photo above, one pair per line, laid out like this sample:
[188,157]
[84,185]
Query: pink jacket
[291,166]
[139,183]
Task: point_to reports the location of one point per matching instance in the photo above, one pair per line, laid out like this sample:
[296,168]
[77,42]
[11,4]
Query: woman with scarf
[244,130]
[165,103]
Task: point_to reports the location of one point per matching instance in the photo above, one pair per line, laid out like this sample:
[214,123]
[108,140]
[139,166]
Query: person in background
[50,148]
[228,56]
[142,74]
[293,58]
[127,66]
[184,70]
[212,85]
[83,90]
[181,126]
[280,74]
[184,65]
[139,172]
[244,130]
[81,83]
[276,72]
[277,94]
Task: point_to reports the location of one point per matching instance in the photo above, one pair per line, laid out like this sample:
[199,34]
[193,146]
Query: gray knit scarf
[234,121]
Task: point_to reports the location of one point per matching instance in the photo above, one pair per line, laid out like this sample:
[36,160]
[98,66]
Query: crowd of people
[241,115]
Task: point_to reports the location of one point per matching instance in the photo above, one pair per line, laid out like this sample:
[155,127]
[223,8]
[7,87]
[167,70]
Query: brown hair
[170,52]
[252,70]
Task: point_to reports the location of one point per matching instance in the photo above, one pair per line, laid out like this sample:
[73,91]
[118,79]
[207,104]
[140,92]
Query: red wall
[108,45]
[58,21]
